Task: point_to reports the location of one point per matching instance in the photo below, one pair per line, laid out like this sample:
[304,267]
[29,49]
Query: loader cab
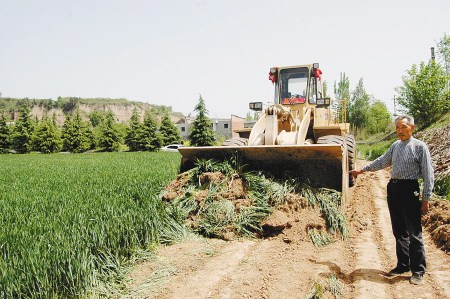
[298,85]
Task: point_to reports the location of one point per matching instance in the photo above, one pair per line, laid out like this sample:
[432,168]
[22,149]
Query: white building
[225,127]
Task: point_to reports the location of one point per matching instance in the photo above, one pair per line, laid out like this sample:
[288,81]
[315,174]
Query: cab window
[294,83]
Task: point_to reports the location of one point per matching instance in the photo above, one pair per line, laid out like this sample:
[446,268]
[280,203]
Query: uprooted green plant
[322,288]
[317,291]
[330,203]
[318,237]
[213,211]
[335,286]
[216,217]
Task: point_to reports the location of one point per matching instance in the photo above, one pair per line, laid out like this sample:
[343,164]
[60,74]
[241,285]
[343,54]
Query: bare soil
[287,264]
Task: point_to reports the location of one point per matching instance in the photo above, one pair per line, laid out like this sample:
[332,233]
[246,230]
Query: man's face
[404,129]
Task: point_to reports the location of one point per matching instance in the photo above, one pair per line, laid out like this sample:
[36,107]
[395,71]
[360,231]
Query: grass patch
[441,122]
[373,151]
[442,187]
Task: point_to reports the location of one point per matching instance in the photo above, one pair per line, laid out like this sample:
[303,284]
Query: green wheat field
[68,223]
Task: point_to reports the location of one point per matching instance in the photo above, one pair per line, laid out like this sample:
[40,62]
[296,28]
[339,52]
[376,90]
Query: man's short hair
[409,118]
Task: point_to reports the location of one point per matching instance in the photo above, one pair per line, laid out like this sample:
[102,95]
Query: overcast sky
[170,52]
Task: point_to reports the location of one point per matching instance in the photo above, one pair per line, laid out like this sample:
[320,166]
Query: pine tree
[47,137]
[110,137]
[134,132]
[96,118]
[5,133]
[169,132]
[75,134]
[151,140]
[201,130]
[22,132]
[67,132]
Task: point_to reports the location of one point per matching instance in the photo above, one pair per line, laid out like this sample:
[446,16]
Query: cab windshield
[294,85]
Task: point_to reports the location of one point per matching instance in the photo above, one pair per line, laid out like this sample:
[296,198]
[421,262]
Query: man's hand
[425,207]
[355,173]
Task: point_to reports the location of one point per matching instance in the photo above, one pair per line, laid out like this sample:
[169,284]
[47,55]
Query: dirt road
[288,265]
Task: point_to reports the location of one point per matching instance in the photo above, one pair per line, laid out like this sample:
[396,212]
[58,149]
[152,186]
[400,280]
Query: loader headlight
[323,102]
[256,106]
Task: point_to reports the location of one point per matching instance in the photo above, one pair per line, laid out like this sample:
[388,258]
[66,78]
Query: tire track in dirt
[438,264]
[369,254]
[204,282]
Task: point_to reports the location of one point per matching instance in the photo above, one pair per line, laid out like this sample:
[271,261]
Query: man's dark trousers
[405,209]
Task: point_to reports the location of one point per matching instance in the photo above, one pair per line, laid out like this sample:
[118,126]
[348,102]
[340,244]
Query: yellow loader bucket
[319,165]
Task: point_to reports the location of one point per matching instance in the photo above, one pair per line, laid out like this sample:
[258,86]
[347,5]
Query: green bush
[442,187]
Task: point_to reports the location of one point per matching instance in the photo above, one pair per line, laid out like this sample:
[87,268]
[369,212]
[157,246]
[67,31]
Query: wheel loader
[298,133]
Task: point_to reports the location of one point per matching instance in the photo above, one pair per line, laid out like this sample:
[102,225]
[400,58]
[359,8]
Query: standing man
[410,160]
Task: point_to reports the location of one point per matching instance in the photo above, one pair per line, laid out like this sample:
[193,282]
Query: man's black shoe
[397,271]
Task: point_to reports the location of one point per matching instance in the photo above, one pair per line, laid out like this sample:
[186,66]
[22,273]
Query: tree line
[425,94]
[101,133]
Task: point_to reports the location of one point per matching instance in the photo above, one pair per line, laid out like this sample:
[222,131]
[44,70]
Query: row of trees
[77,136]
[100,133]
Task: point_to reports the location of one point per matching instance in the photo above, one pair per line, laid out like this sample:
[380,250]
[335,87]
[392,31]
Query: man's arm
[356,172]
[425,207]
[381,162]
[426,169]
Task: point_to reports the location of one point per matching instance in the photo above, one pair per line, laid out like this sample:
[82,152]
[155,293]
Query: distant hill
[122,108]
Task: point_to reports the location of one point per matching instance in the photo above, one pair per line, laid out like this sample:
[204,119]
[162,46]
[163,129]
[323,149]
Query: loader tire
[351,148]
[237,141]
[351,151]
[331,139]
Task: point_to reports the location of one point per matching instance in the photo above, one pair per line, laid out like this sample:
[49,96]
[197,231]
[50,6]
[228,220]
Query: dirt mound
[437,222]
[229,206]
[438,141]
